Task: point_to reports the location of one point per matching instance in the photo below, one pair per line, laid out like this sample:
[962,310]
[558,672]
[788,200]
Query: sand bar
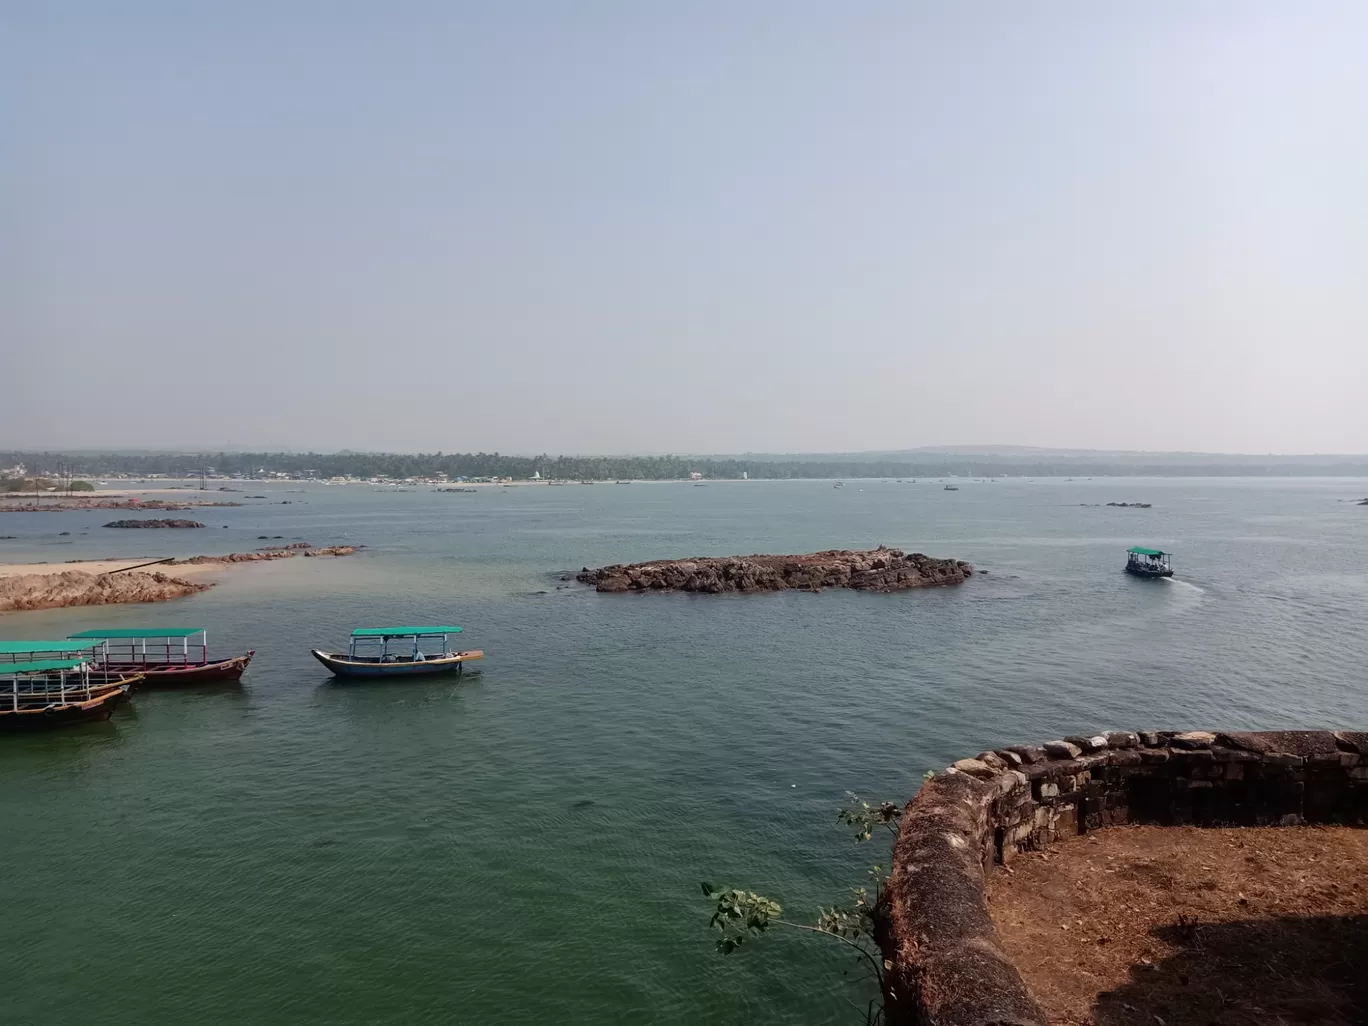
[104,566]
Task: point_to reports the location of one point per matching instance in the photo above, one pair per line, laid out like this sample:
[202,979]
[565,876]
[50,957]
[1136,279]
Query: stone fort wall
[944,963]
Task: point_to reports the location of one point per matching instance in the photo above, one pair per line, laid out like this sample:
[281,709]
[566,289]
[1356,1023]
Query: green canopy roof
[141,632]
[1147,552]
[40,666]
[15,647]
[401,632]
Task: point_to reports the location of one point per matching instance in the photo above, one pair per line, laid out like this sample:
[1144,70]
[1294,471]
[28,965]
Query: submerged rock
[881,569]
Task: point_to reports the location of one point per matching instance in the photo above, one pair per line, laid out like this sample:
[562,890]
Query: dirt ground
[1183,926]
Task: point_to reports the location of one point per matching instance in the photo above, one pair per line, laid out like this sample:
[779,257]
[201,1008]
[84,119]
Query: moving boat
[171,658]
[406,663]
[57,692]
[951,488]
[1144,562]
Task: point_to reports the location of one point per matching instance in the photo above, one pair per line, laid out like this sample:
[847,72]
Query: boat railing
[58,689]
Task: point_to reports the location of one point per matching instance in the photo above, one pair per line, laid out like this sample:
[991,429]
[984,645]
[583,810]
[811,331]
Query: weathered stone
[1194,739]
[1028,753]
[946,964]
[1281,759]
[1049,789]
[1062,750]
[974,768]
[1009,781]
[1352,741]
[1122,739]
[1150,739]
[1153,756]
[1283,742]
[1013,759]
[992,759]
[1233,755]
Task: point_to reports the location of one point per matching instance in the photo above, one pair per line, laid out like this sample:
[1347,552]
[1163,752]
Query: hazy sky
[639,226]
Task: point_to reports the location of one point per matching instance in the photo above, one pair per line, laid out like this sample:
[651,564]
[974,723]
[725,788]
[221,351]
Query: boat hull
[341,666]
[100,706]
[155,676]
[1139,571]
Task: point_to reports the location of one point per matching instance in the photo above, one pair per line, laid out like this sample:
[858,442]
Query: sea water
[526,844]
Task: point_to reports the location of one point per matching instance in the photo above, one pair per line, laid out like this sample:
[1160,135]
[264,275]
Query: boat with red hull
[159,675]
[163,656]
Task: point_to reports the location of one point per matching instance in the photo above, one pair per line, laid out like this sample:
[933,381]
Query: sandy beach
[105,566]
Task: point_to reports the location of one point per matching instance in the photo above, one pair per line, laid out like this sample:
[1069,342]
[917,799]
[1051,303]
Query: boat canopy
[141,632]
[1140,551]
[402,632]
[15,647]
[41,666]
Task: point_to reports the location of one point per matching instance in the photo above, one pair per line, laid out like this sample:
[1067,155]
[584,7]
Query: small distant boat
[163,656]
[952,488]
[839,484]
[56,693]
[407,663]
[1144,562]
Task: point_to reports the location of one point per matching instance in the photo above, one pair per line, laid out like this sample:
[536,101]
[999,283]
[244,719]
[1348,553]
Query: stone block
[1151,738]
[1028,753]
[993,760]
[1009,782]
[1234,771]
[1233,755]
[1122,759]
[1281,759]
[1062,750]
[1352,741]
[1122,739]
[1285,742]
[1194,739]
[1154,755]
[1088,743]
[1049,789]
[974,768]
[1012,759]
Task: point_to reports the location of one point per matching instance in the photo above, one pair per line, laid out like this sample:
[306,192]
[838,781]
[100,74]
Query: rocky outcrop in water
[881,569]
[77,588]
[154,523]
[262,555]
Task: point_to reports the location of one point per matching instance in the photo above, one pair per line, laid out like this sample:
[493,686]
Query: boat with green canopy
[1143,562]
[165,656]
[58,692]
[398,652]
[28,651]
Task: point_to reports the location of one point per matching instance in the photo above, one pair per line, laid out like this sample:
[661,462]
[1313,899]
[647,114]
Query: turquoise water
[525,845]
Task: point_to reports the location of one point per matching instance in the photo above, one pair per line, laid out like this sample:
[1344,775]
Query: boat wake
[1177,583]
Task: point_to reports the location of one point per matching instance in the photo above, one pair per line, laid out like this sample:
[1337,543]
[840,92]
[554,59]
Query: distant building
[695,476]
